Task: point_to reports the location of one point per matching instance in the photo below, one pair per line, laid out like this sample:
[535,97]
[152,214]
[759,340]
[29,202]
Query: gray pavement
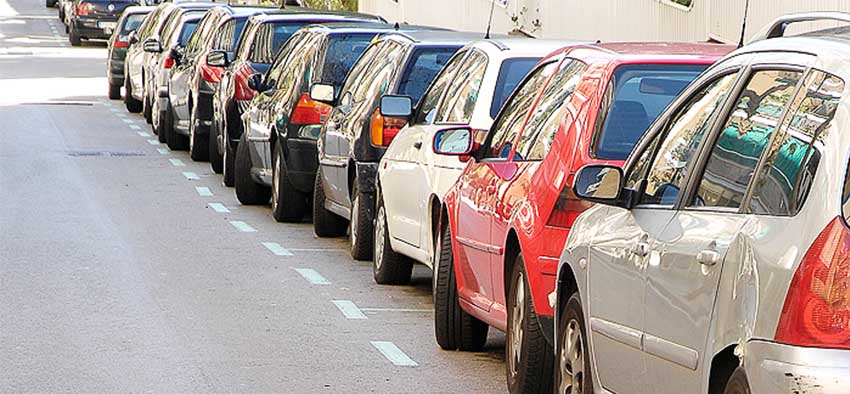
[118,276]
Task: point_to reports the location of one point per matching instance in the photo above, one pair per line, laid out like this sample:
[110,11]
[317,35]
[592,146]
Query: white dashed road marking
[135,127]
[163,151]
[394,354]
[191,176]
[242,226]
[127,121]
[153,142]
[218,207]
[204,191]
[177,162]
[312,276]
[349,310]
[275,248]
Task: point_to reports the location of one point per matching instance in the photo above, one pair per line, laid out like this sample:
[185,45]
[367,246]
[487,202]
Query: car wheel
[229,160]
[74,37]
[288,204]
[216,159]
[114,92]
[360,226]
[388,267]
[133,105]
[325,223]
[529,356]
[248,192]
[453,327]
[198,143]
[738,383]
[176,141]
[146,110]
[573,373]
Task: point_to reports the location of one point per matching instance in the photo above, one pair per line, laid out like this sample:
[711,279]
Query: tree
[347,5]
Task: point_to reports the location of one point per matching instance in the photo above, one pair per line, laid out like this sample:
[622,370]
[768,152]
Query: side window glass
[669,169]
[789,168]
[428,108]
[743,138]
[463,92]
[554,105]
[378,77]
[288,50]
[508,124]
[361,68]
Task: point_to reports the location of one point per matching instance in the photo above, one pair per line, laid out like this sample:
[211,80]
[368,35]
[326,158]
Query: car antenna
[490,22]
[397,27]
[744,24]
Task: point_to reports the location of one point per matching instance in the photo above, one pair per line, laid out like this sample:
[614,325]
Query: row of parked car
[634,216]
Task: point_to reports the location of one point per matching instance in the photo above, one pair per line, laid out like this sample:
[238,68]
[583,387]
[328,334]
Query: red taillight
[567,208]
[120,44]
[211,74]
[168,62]
[817,308]
[243,91]
[83,9]
[384,129]
[308,111]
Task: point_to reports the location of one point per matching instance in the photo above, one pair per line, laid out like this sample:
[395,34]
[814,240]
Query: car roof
[638,52]
[348,27]
[291,10]
[434,36]
[520,47]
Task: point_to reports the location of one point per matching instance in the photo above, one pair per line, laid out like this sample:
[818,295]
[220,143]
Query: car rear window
[186,32]
[131,23]
[636,95]
[422,68]
[343,51]
[510,75]
[270,38]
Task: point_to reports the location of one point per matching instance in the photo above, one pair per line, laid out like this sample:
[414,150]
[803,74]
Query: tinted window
[186,32]
[270,38]
[288,51]
[786,176]
[669,170]
[427,111]
[343,51]
[424,65]
[459,103]
[132,23]
[510,75]
[376,78]
[744,137]
[636,95]
[361,68]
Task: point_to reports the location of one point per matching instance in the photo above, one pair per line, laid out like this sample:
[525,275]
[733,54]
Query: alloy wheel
[572,360]
[517,326]
[380,228]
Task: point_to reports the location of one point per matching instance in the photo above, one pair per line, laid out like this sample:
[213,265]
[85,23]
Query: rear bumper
[777,368]
[204,111]
[302,163]
[87,28]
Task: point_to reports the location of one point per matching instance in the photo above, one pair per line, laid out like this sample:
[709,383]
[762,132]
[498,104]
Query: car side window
[224,37]
[509,122]
[552,108]
[288,51]
[667,174]
[376,81]
[428,108]
[786,175]
[361,68]
[744,137]
[458,105]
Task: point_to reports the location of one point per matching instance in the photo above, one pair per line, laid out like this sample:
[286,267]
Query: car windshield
[510,75]
[132,23]
[186,32]
[636,95]
[343,51]
[424,65]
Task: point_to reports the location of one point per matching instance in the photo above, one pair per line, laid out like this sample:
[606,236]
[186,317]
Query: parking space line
[218,207]
[191,176]
[203,191]
[135,127]
[242,226]
[349,310]
[142,133]
[319,250]
[312,276]
[394,354]
[153,142]
[409,310]
[163,151]
[127,120]
[275,248]
[177,162]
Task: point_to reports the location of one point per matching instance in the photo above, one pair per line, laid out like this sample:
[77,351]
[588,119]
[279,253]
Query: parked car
[130,20]
[508,216]
[261,40]
[94,19]
[356,135]
[276,156]
[412,181]
[704,267]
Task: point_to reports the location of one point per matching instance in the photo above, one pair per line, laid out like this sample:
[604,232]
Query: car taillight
[120,44]
[211,74]
[243,91]
[384,128]
[308,111]
[817,308]
[567,208]
[168,63]
[83,9]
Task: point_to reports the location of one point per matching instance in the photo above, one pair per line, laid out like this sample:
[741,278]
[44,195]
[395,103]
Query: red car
[510,212]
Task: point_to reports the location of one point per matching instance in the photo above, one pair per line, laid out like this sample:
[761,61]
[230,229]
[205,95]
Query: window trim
[464,53]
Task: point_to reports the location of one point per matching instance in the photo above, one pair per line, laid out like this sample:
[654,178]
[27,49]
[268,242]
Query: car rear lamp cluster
[384,128]
[120,44]
[243,91]
[308,111]
[168,63]
[817,308]
[84,8]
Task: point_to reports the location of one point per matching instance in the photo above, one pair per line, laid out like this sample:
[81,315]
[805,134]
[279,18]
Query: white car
[412,179]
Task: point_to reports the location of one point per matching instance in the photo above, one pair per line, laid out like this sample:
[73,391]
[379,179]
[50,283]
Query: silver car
[718,259]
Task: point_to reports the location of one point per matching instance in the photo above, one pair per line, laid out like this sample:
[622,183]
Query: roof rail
[777,28]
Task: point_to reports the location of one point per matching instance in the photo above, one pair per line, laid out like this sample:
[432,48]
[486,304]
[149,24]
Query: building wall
[607,20]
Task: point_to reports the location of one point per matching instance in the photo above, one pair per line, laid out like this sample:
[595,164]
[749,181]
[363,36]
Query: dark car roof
[310,11]
[430,36]
[347,27]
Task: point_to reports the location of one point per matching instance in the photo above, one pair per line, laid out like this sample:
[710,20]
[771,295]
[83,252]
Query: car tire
[388,266]
[529,356]
[229,168]
[114,92]
[147,110]
[198,144]
[738,383]
[326,224]
[74,37]
[133,106]
[175,140]
[573,373]
[216,159]
[288,204]
[360,227]
[454,329]
[248,192]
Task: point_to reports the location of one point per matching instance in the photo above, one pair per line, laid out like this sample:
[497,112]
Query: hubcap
[572,360]
[517,326]
[379,238]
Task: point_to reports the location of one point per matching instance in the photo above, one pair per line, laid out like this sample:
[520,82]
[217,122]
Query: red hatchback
[510,212]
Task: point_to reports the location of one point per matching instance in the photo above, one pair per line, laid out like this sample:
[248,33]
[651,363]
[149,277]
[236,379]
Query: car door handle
[641,249]
[708,257]
[417,144]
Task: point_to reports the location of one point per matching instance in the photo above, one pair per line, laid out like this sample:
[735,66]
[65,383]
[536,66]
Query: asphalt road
[124,267]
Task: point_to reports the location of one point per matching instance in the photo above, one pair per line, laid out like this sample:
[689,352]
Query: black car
[344,193]
[130,20]
[261,40]
[95,19]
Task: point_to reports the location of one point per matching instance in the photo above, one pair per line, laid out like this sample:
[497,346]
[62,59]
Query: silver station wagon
[718,259]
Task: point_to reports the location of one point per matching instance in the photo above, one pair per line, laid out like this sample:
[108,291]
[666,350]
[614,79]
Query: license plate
[107,26]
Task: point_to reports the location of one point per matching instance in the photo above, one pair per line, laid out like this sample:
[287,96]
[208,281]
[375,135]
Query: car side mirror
[218,59]
[599,183]
[323,93]
[255,81]
[133,37]
[176,53]
[152,45]
[456,141]
[396,106]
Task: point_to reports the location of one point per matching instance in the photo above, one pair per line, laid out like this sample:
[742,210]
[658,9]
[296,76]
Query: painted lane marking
[394,354]
[113,109]
[242,226]
[191,176]
[177,162]
[136,127]
[163,151]
[275,248]
[408,310]
[349,310]
[143,134]
[128,121]
[319,250]
[312,276]
[203,191]
[153,142]
[218,207]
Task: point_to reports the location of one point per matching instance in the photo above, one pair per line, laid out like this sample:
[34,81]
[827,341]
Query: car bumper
[302,163]
[204,112]
[777,368]
[88,28]
[116,71]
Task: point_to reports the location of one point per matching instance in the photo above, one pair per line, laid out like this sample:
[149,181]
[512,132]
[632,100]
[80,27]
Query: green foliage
[346,5]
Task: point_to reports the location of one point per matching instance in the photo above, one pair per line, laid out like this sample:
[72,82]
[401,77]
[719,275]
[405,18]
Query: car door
[618,258]
[683,276]
[183,72]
